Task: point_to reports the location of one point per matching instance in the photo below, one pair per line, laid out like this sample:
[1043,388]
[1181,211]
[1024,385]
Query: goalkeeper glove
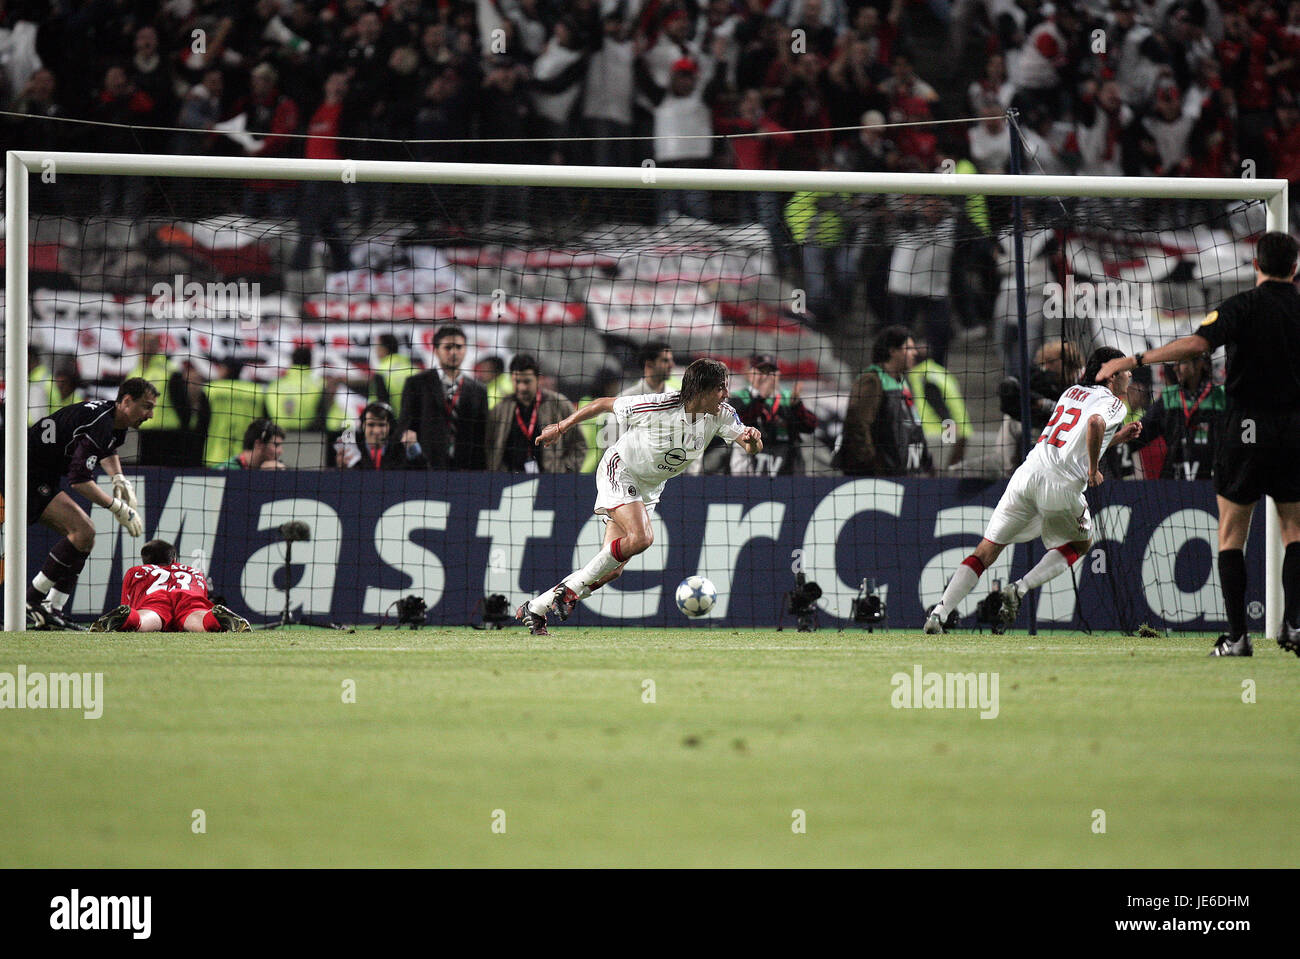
[123,490]
[126,516]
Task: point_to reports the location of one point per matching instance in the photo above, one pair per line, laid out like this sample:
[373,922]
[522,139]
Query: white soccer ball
[696,596]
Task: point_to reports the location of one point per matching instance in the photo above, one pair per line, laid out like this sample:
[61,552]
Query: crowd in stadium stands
[1177,87]
[1172,87]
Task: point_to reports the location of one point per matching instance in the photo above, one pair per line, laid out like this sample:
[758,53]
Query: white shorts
[1036,504]
[615,486]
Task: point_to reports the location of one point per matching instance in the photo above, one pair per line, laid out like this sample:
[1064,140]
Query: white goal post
[21,164]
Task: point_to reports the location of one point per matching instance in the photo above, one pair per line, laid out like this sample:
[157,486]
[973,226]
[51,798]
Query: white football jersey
[1062,447]
[658,440]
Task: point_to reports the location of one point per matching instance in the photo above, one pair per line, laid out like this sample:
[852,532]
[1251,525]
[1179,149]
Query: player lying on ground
[166,595]
[1045,494]
[1259,441]
[661,434]
[72,443]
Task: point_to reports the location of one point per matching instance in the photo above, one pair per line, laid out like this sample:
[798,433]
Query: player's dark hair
[498,365]
[650,352]
[136,388]
[158,552]
[1276,254]
[301,356]
[701,377]
[1100,356]
[891,338]
[389,342]
[445,331]
[523,362]
[261,430]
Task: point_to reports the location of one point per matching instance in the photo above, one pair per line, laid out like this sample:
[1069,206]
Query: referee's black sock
[1232,579]
[1291,584]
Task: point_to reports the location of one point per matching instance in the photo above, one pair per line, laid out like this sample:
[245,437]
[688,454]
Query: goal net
[304,292]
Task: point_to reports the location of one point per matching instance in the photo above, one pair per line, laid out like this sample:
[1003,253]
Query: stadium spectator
[446,408]
[491,372]
[558,73]
[174,435]
[1044,60]
[51,387]
[322,204]
[1102,117]
[71,444]
[302,400]
[1261,427]
[151,74]
[233,402]
[683,126]
[820,224]
[270,115]
[391,371]
[882,429]
[779,415]
[940,409]
[871,151]
[1188,417]
[119,105]
[608,93]
[163,594]
[920,272]
[758,153]
[989,143]
[376,445]
[263,446]
[516,423]
[854,82]
[659,439]
[992,90]
[200,110]
[597,434]
[1057,364]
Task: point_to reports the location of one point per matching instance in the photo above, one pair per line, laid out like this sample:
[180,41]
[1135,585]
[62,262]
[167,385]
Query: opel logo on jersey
[674,457]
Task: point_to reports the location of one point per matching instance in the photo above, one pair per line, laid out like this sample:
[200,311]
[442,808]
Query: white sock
[962,582]
[56,599]
[42,583]
[1050,566]
[601,565]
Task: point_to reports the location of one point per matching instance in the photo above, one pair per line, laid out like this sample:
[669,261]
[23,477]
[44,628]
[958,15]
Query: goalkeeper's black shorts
[1258,455]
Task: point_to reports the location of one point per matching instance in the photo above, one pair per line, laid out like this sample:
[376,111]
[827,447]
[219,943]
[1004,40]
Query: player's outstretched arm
[1183,348]
[552,433]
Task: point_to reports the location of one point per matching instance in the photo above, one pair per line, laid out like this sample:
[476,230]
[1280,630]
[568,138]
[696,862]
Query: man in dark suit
[447,408]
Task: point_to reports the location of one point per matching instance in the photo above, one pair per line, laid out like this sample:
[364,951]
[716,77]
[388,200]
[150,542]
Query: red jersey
[145,586]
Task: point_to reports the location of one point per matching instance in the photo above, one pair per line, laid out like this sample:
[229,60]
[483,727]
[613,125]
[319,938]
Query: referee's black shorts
[1258,455]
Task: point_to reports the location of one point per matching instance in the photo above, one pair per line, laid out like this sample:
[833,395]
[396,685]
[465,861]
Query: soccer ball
[696,596]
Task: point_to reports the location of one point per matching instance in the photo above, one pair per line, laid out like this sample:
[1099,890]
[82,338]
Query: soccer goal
[309,289]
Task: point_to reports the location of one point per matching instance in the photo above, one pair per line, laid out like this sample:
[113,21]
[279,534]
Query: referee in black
[1259,450]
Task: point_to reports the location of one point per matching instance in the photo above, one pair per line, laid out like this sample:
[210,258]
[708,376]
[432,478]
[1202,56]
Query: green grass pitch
[488,748]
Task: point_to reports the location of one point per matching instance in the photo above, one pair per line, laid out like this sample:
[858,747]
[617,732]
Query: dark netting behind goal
[306,303]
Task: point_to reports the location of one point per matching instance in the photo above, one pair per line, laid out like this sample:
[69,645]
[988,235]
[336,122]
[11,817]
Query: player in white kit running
[661,434]
[1045,495]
